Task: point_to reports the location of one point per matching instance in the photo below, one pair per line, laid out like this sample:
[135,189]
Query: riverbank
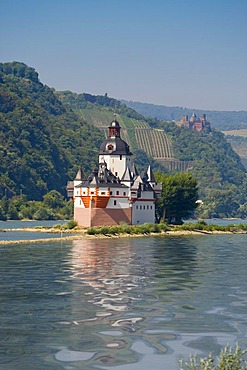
[84,233]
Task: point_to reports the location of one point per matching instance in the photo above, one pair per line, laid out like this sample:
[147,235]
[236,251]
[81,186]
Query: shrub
[124,228]
[71,225]
[91,231]
[228,360]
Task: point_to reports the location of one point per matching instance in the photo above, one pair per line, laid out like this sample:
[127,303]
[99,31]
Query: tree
[53,199]
[179,196]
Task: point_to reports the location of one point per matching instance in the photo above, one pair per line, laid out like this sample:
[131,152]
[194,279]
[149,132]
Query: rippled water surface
[128,304]
[15,230]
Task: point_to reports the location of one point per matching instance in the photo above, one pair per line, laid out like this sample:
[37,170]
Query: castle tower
[115,152]
[114,192]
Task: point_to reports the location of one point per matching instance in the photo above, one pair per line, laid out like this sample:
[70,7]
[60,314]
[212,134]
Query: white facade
[143,211]
[114,192]
[116,163]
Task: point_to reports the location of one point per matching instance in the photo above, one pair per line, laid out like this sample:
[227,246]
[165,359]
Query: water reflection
[126,283]
[111,272]
[137,303]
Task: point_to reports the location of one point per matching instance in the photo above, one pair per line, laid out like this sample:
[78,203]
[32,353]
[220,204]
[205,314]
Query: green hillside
[135,129]
[41,142]
[45,135]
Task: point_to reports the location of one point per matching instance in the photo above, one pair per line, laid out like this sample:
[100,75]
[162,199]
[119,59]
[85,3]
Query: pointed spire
[80,175]
[137,182]
[150,175]
[127,176]
[134,171]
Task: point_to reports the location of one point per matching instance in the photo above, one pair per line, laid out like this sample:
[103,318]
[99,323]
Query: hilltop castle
[114,192]
[195,123]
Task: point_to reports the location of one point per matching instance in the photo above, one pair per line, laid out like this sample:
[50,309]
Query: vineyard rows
[176,165]
[136,133]
[154,142]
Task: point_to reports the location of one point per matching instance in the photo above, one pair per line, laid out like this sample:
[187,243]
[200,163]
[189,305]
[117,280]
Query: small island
[71,231]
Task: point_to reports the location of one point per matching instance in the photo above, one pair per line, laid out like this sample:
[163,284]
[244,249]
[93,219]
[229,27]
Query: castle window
[120,157]
[115,202]
[151,207]
[147,207]
[115,173]
[103,193]
[117,192]
[136,207]
[124,193]
[110,147]
[110,192]
[92,192]
[140,207]
[143,207]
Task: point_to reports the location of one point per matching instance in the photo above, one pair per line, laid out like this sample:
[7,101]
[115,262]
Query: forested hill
[42,143]
[46,135]
[222,120]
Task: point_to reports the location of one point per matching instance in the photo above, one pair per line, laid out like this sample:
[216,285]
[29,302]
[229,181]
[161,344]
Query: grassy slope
[134,131]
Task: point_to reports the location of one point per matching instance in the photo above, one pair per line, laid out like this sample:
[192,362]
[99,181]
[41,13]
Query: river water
[127,303]
[15,230]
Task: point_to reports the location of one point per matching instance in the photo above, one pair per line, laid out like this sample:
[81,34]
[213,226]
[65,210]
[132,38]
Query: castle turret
[115,151]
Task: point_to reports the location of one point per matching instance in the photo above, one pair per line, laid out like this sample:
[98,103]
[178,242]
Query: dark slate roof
[119,146]
[127,176]
[87,184]
[114,123]
[101,177]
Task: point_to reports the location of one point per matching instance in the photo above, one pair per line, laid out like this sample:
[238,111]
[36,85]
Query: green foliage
[123,228]
[41,142]
[203,226]
[53,207]
[82,101]
[229,360]
[178,199]
[218,169]
[150,228]
[70,225]
[53,199]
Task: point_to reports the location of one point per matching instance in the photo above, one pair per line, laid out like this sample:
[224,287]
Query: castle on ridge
[195,123]
[114,192]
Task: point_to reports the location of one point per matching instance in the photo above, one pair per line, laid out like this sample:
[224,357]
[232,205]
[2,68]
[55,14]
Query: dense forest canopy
[46,135]
[42,143]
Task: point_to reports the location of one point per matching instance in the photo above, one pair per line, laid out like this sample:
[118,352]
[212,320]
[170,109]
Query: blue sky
[190,53]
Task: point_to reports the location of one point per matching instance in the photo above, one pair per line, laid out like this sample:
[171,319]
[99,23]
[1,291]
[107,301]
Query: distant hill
[222,120]
[45,135]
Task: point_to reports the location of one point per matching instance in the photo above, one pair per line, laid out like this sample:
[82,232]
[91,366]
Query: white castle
[114,192]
